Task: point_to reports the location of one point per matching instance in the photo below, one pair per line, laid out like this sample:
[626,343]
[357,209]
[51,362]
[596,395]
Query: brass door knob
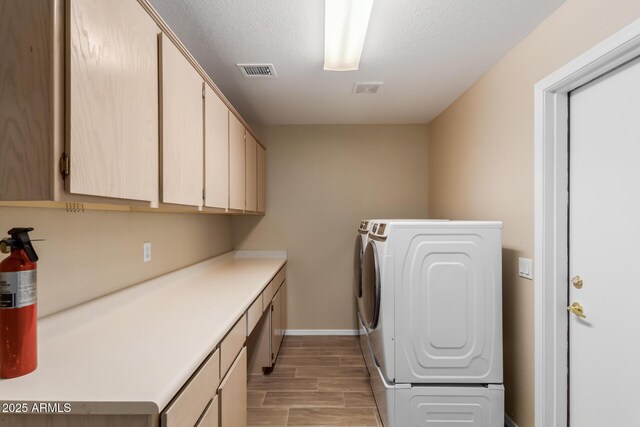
[577,282]
[576,308]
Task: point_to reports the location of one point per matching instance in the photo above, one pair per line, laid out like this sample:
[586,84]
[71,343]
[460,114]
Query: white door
[604,250]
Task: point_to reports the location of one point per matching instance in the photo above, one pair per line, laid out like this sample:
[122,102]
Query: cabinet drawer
[279,279]
[233,394]
[232,344]
[210,416]
[267,296]
[254,313]
[189,404]
[273,287]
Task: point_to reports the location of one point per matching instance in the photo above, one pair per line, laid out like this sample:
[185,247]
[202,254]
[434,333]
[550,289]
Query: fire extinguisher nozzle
[20,239]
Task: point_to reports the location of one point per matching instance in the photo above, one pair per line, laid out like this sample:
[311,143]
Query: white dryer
[362,238]
[431,305]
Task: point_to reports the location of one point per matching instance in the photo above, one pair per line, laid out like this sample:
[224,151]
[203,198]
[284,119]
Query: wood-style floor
[317,381]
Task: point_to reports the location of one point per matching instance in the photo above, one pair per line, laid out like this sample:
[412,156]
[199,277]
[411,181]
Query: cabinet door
[262,183]
[182,128]
[251,173]
[210,416]
[283,312]
[276,325]
[237,165]
[216,150]
[192,400]
[233,394]
[112,100]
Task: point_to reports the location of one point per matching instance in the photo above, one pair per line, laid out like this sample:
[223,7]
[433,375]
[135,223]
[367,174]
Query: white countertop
[131,351]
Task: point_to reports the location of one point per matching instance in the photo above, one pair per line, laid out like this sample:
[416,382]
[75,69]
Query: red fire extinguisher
[18,317]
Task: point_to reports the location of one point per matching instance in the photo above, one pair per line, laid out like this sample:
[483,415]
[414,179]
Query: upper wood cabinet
[26,100]
[262,177]
[237,158]
[101,104]
[216,150]
[182,128]
[251,166]
[78,102]
[112,100]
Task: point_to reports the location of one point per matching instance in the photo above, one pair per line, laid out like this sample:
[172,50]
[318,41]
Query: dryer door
[370,286]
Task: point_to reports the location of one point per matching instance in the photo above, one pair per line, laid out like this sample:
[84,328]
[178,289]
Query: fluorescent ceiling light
[345,26]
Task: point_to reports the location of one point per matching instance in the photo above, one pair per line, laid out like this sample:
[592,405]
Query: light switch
[146,248]
[525,268]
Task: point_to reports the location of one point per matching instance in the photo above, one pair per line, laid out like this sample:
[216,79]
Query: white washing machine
[362,238]
[431,306]
[366,349]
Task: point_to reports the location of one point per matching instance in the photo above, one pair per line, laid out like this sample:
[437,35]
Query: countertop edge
[153,403]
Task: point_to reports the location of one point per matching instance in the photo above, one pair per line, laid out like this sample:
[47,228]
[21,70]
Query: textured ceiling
[427,53]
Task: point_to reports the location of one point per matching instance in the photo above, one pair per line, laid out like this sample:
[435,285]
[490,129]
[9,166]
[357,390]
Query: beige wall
[481,163]
[88,255]
[321,181]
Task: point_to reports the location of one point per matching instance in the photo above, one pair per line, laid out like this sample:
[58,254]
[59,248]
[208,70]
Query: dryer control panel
[378,231]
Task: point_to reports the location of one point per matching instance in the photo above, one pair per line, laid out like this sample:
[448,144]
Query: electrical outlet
[146,249]
[525,268]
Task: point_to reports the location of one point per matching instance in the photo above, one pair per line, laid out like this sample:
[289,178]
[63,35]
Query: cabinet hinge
[203,91]
[203,194]
[273,356]
[271,307]
[65,165]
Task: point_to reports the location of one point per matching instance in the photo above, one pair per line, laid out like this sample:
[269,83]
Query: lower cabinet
[251,346]
[233,394]
[210,416]
[232,344]
[204,403]
[190,404]
[254,313]
[266,337]
[277,322]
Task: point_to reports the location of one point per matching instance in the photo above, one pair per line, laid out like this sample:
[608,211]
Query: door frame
[551,216]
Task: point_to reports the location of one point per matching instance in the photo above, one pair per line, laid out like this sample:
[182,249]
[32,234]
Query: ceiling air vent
[366,88]
[257,70]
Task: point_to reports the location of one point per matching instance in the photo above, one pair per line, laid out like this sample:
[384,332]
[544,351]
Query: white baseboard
[508,422]
[321,332]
